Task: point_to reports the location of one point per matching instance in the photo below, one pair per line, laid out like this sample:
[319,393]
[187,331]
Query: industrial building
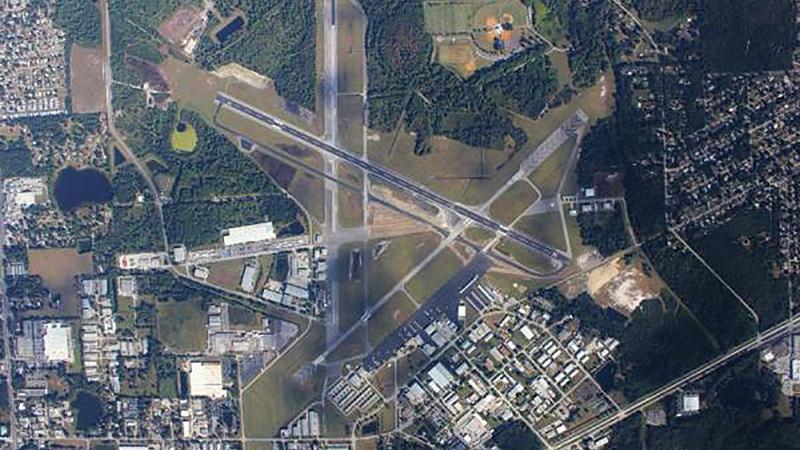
[263,231]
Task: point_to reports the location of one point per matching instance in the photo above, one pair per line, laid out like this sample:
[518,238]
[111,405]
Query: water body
[89,409]
[76,187]
[225,33]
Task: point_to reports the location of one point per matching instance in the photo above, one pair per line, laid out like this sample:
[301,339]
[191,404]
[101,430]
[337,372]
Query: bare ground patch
[86,79]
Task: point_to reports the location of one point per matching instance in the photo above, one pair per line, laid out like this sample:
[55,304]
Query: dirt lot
[86,80]
[178,27]
[58,268]
[622,286]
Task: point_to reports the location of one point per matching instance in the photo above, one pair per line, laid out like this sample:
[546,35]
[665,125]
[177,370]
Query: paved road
[6,330]
[415,189]
[667,390]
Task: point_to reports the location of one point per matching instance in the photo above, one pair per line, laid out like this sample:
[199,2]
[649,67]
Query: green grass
[448,18]
[184,141]
[527,258]
[434,275]
[351,123]
[478,234]
[351,204]
[547,177]
[544,227]
[276,397]
[515,285]
[401,255]
[548,24]
[389,317]
[513,202]
[181,325]
[351,291]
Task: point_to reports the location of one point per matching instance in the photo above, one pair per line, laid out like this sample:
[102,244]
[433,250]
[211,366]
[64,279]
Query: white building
[205,379]
[249,233]
[57,342]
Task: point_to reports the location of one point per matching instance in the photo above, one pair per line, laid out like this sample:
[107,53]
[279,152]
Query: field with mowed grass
[288,386]
[392,259]
[532,260]
[350,58]
[182,325]
[513,202]
[547,177]
[546,227]
[351,201]
[389,316]
[435,274]
[58,268]
[184,137]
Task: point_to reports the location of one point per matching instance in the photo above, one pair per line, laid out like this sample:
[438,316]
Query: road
[412,187]
[667,390]
[6,330]
[121,145]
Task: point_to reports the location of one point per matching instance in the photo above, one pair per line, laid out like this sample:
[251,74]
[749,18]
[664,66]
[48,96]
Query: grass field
[58,268]
[574,233]
[351,289]
[242,318]
[351,202]
[182,325]
[513,202]
[544,227]
[351,123]
[226,273]
[434,275]
[445,168]
[478,234]
[547,177]
[350,24]
[401,255]
[276,396]
[560,62]
[86,73]
[184,141]
[515,286]
[448,17]
[389,316]
[353,347]
[527,258]
[195,89]
[460,57]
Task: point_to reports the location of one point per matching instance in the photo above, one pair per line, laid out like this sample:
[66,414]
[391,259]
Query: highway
[667,390]
[415,189]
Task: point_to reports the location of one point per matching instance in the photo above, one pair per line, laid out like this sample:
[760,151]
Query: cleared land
[185,139]
[434,275]
[226,273]
[85,78]
[181,325]
[513,202]
[279,393]
[478,235]
[58,268]
[545,227]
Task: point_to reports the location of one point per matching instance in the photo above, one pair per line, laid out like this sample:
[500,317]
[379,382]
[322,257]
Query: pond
[225,33]
[89,409]
[76,187]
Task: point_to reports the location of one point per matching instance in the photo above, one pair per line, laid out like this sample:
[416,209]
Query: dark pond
[225,33]
[89,410]
[76,187]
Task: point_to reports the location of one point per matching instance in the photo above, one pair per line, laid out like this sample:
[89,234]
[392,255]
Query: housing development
[399,224]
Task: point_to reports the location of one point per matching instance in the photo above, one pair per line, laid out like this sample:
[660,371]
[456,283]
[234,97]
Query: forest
[278,40]
[80,20]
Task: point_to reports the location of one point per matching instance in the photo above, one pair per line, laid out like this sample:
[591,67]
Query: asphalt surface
[443,302]
[415,189]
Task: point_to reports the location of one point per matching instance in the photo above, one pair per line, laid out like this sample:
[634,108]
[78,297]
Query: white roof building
[57,342]
[205,379]
[249,233]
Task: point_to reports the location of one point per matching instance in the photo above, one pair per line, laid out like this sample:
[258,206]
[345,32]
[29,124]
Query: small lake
[233,26]
[89,410]
[76,187]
